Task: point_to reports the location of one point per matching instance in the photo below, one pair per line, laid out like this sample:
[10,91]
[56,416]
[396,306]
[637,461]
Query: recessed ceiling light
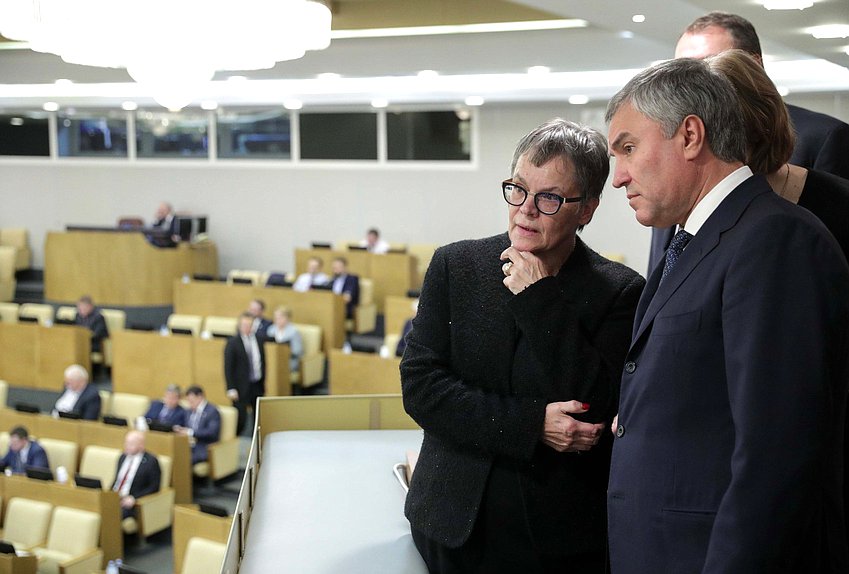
[638,18]
[829,31]
[50,106]
[538,70]
[427,74]
[209,105]
[460,29]
[578,99]
[293,104]
[379,103]
[63,82]
[782,90]
[626,34]
[17,121]
[474,101]
[237,79]
[787,4]
[129,106]
[329,76]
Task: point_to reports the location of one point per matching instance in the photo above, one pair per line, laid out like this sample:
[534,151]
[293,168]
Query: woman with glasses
[512,369]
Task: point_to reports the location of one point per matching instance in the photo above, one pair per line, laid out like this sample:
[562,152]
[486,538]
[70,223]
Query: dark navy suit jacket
[176,416]
[88,404]
[350,285]
[35,457]
[729,448]
[148,477]
[207,431]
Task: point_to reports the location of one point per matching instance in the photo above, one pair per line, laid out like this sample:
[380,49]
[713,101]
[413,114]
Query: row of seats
[15,255]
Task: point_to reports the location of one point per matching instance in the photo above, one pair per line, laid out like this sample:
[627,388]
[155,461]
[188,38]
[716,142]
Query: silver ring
[506,268]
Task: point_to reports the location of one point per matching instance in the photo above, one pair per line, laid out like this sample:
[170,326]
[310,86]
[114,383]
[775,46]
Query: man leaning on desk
[80,398]
[23,452]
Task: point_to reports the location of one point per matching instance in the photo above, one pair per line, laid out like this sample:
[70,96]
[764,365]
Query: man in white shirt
[79,398]
[138,474]
[313,276]
[373,243]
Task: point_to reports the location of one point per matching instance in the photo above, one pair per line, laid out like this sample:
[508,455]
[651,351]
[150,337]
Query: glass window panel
[427,136]
[339,136]
[24,133]
[92,134]
[172,135]
[254,133]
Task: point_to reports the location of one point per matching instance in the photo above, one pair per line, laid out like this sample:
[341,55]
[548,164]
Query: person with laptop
[80,399]
[203,424]
[168,410]
[23,452]
[138,473]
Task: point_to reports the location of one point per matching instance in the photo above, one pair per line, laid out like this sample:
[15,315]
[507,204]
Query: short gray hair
[585,147]
[76,372]
[669,92]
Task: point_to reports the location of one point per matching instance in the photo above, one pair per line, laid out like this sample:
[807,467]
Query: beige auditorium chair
[71,543]
[4,443]
[100,462]
[41,311]
[312,363]
[61,453]
[203,556]
[7,274]
[116,320]
[244,276]
[105,401]
[4,396]
[192,323]
[9,312]
[390,341]
[423,253]
[128,406]
[26,523]
[215,325]
[224,454]
[154,512]
[365,313]
[18,240]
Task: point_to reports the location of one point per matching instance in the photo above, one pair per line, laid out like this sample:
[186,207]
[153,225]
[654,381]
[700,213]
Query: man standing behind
[23,452]
[257,309]
[244,369]
[346,285]
[91,318]
[79,398]
[168,410]
[728,455]
[203,424]
[137,475]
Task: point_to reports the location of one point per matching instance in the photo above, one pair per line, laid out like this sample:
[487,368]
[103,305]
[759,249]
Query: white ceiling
[592,61]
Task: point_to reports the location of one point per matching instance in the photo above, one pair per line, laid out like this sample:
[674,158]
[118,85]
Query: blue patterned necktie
[676,247]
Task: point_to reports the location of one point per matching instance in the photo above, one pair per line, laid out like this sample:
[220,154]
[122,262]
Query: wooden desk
[35,356]
[396,313]
[106,503]
[322,308]
[11,564]
[190,522]
[363,374]
[119,268]
[392,273]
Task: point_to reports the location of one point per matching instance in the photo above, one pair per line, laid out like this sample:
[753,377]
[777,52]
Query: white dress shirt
[129,468]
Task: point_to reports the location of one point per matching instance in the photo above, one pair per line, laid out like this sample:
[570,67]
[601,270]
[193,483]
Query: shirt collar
[708,204]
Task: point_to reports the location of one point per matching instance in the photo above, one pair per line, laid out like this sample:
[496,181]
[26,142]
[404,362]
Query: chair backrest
[4,441]
[66,313]
[311,335]
[9,312]
[366,291]
[229,418]
[41,311]
[61,453]
[116,320]
[105,401]
[243,276]
[130,222]
[191,322]
[100,462]
[165,466]
[221,325]
[7,263]
[423,253]
[27,522]
[73,531]
[14,237]
[4,393]
[129,406]
[203,556]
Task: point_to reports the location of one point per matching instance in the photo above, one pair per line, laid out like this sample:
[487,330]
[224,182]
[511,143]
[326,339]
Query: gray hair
[669,92]
[76,372]
[174,388]
[585,147]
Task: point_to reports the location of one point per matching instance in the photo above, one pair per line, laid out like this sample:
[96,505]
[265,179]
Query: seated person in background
[346,285]
[80,397]
[257,309]
[373,243]
[168,410]
[203,424]
[137,475]
[23,452]
[313,276]
[282,331]
[89,316]
[408,326]
[166,226]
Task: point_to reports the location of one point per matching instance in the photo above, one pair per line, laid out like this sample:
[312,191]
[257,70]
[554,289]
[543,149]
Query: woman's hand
[566,434]
[521,269]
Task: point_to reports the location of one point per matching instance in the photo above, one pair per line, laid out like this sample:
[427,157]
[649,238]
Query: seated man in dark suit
[165,230]
[79,398]
[90,317]
[203,424]
[346,285]
[168,410]
[137,475]
[408,326]
[23,452]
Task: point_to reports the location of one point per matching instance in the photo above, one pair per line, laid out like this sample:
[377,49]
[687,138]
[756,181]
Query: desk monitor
[325,287]
[26,408]
[355,247]
[88,482]
[27,319]
[39,473]
[204,277]
[141,327]
[277,279]
[64,321]
[414,293]
[320,245]
[220,335]
[363,348]
[6,547]
[401,250]
[159,426]
[117,421]
[213,509]
[242,281]
[180,331]
[64,415]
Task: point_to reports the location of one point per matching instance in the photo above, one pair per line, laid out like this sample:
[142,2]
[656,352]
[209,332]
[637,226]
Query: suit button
[630,367]
[620,430]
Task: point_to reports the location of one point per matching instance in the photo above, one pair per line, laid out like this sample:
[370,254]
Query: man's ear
[692,130]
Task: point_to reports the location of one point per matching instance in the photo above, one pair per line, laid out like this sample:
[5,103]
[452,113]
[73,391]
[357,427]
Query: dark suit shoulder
[614,271]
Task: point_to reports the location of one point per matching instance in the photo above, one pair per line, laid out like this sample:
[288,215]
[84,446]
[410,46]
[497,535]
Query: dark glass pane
[339,136]
[427,136]
[93,134]
[254,133]
[24,134]
[172,135]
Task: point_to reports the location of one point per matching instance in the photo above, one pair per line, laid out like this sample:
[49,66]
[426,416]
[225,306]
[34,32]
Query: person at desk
[244,368]
[257,309]
[346,285]
[512,370]
[138,473]
[203,424]
[80,398]
[313,276]
[23,452]
[91,318]
[168,410]
[166,226]
[283,331]
[373,243]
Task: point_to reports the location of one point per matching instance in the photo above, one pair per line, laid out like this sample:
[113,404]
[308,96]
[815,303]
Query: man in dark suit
[137,475]
[244,368]
[23,452]
[821,140]
[166,226]
[203,424]
[168,410]
[260,325]
[728,456]
[91,318]
[345,284]
[80,398]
